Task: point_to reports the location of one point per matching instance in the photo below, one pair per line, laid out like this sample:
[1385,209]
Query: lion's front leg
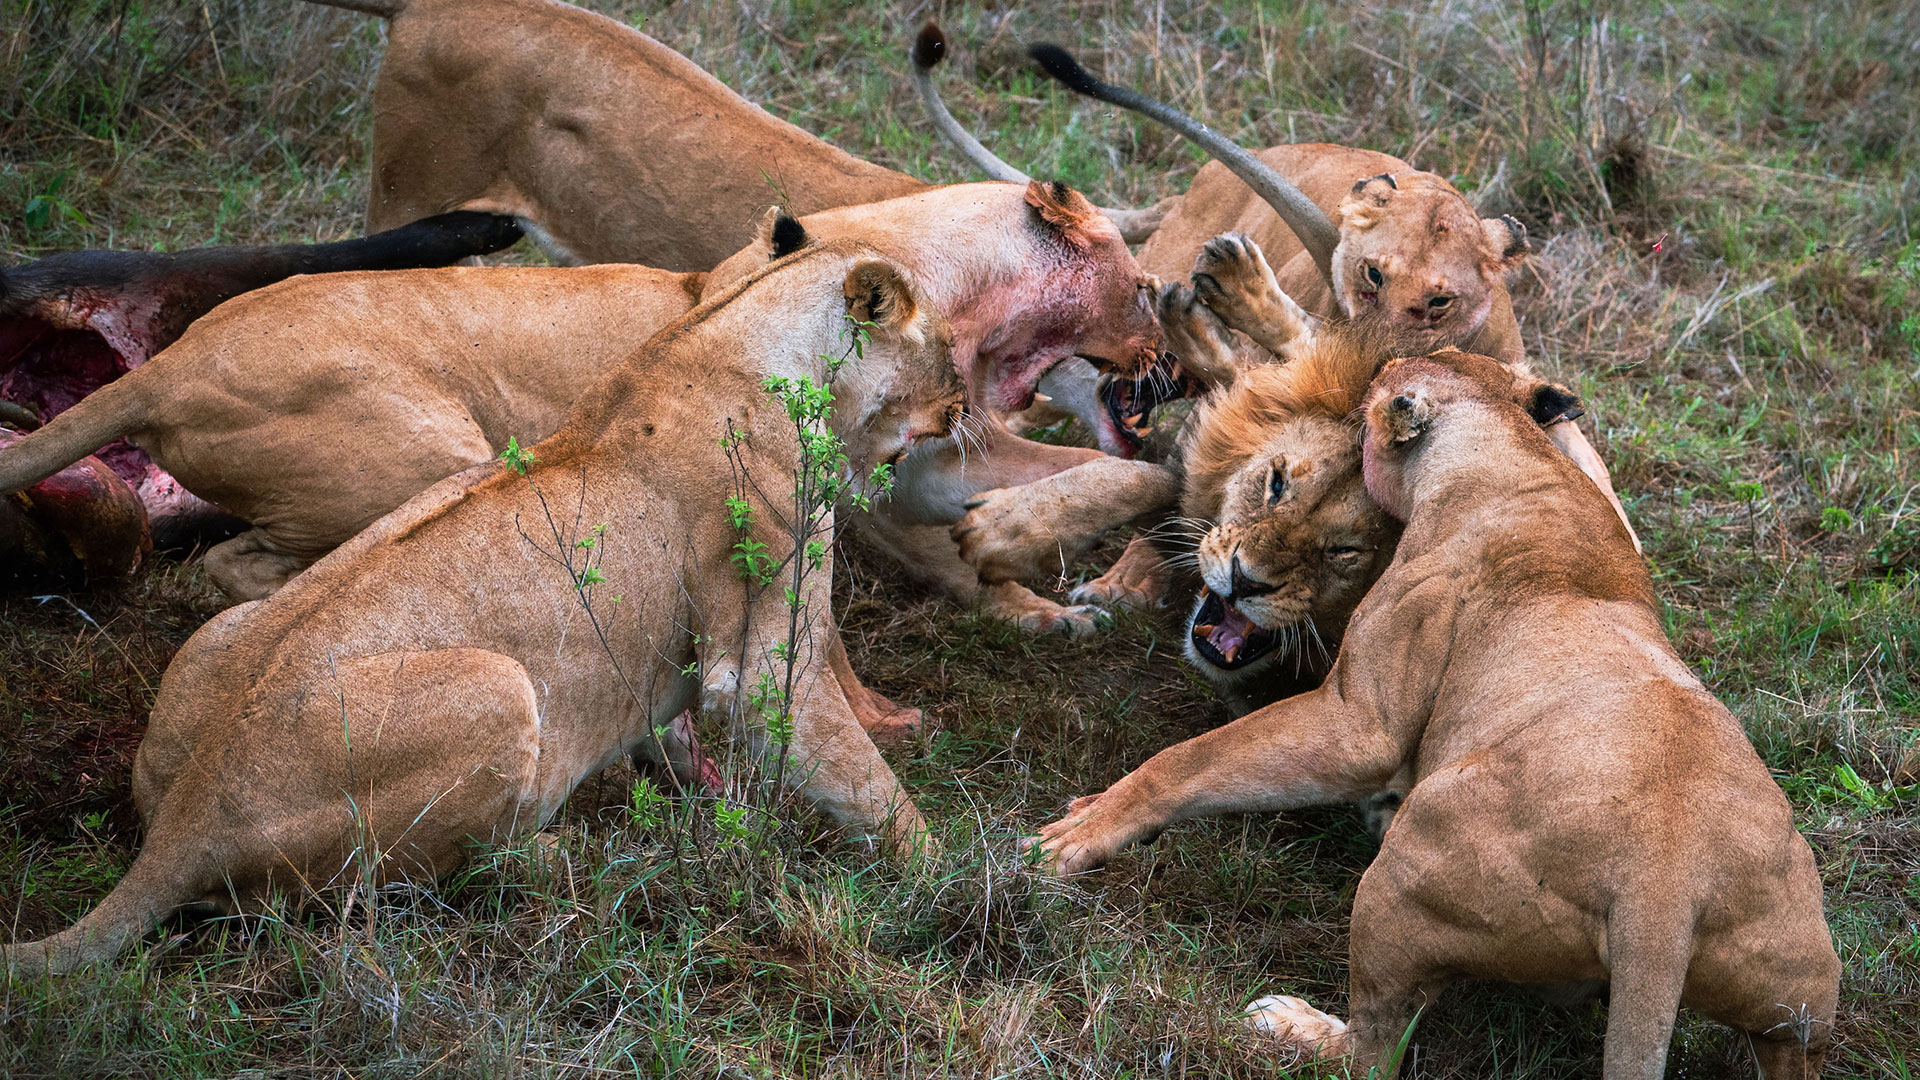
[1035,532]
[1305,750]
[787,669]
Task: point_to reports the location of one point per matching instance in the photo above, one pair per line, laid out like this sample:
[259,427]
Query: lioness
[436,681]
[1029,275]
[1029,525]
[1583,809]
[606,144]
[73,321]
[312,407]
[1350,232]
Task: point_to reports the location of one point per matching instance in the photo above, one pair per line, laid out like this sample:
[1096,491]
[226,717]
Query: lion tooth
[1143,432]
[1136,419]
[1204,631]
[1232,651]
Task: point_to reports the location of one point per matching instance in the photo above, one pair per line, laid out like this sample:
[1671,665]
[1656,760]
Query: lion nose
[1244,586]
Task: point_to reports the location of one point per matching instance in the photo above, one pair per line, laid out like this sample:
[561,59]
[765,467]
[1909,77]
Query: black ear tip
[930,47]
[789,235]
[1518,233]
[1552,404]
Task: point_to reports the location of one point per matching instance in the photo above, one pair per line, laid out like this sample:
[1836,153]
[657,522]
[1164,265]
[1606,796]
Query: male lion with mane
[1583,810]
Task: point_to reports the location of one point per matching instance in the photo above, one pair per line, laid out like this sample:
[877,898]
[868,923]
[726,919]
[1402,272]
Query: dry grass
[1752,383]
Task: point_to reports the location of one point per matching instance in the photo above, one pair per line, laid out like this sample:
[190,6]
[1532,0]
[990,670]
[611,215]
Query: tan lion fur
[1583,811]
[436,682]
[313,406]
[608,145]
[1423,236]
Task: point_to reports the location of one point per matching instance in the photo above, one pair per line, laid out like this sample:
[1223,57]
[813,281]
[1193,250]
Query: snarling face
[1080,294]
[1295,545]
[1413,253]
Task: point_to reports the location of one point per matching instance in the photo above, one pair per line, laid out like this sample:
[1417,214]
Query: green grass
[1752,385]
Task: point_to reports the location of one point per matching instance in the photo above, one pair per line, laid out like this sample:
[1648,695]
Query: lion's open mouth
[1130,402]
[1226,638]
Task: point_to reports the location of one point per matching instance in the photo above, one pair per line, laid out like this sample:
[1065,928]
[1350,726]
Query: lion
[442,679]
[1030,275]
[607,145]
[1584,810]
[1351,232]
[75,320]
[1230,274]
[313,406]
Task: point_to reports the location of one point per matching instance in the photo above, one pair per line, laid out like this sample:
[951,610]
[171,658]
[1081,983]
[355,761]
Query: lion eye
[1374,277]
[1440,301]
[1276,485]
[1343,552]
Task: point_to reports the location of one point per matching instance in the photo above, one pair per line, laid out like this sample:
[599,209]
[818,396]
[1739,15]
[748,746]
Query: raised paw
[1229,274]
[1232,279]
[1195,335]
[1137,580]
[1293,1021]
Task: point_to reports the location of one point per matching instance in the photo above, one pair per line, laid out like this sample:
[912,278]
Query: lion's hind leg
[403,760]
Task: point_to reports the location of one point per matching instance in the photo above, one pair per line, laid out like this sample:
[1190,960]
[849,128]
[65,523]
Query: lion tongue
[1229,635]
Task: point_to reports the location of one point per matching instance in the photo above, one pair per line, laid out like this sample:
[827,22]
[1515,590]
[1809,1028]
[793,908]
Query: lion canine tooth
[1204,631]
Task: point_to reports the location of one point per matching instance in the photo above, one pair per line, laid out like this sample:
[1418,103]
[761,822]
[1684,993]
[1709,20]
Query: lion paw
[1231,277]
[1293,1021]
[1004,538]
[1073,844]
[895,725]
[1194,334]
[1021,606]
[1228,274]
[1137,580]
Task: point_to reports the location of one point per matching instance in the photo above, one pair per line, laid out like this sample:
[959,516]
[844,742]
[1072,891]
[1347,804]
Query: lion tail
[115,409]
[386,9]
[1648,953]
[154,888]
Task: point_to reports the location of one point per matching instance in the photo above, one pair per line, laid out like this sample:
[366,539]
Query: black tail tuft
[789,235]
[1064,69]
[930,47]
[481,232]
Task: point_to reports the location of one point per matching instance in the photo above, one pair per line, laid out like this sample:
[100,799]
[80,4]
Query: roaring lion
[442,678]
[607,145]
[1583,811]
[1028,523]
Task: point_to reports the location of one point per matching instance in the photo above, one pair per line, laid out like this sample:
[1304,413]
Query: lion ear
[787,235]
[1062,209]
[1507,236]
[1376,188]
[1550,403]
[878,293]
[781,234]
